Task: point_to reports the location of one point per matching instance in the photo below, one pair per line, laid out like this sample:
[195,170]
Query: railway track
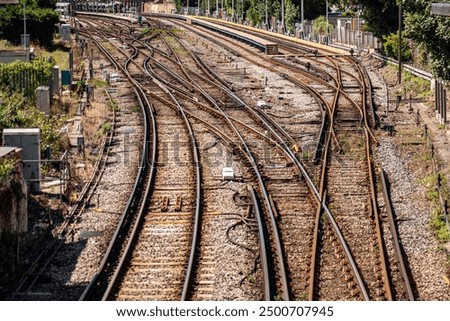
[37,270]
[332,211]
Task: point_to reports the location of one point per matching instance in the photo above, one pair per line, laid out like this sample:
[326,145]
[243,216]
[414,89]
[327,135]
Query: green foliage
[431,32]
[430,183]
[25,76]
[253,14]
[114,106]
[41,21]
[291,14]
[6,167]
[100,83]
[348,13]
[105,128]
[380,16]
[419,87]
[390,47]
[313,9]
[14,113]
[51,4]
[178,5]
[321,27]
[437,222]
[439,226]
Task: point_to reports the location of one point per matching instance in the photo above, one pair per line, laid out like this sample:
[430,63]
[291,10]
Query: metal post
[282,15]
[267,18]
[326,15]
[25,45]
[387,100]
[358,31]
[444,105]
[439,97]
[436,83]
[399,44]
[232,10]
[302,20]
[410,103]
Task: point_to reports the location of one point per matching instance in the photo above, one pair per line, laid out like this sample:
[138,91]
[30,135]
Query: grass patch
[439,226]
[136,109]
[99,83]
[4,44]
[114,106]
[105,128]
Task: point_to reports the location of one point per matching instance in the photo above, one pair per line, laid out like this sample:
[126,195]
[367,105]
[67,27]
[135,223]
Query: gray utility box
[43,99]
[64,32]
[29,140]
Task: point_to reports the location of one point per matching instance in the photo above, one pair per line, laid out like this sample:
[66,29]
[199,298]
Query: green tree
[292,13]
[321,27]
[46,3]
[390,47]
[40,23]
[253,14]
[431,32]
[381,16]
[178,5]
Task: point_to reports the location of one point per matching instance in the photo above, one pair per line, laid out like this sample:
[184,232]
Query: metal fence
[344,36]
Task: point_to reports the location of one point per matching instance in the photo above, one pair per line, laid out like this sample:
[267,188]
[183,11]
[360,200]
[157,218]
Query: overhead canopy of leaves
[380,16]
[432,32]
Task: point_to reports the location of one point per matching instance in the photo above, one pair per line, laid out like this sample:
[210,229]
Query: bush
[390,47]
[15,113]
[40,23]
[6,167]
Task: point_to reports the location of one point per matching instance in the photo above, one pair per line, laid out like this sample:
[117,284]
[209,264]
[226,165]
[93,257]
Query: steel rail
[282,271]
[198,198]
[117,239]
[366,86]
[65,230]
[316,194]
[322,202]
[395,237]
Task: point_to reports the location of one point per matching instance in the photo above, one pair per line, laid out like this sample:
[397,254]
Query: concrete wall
[159,8]
[13,196]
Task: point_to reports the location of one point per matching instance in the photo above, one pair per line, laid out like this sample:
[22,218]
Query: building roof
[9,2]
